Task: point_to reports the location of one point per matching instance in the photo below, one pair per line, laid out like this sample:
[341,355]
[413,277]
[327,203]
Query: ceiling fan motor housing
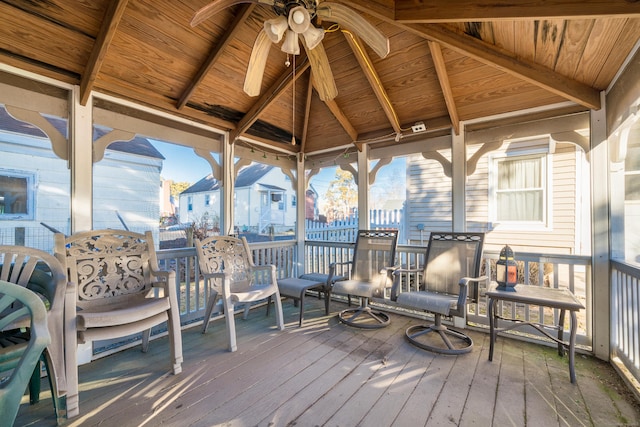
[283,8]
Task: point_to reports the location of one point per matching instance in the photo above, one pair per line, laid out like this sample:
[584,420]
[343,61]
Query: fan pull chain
[293,102]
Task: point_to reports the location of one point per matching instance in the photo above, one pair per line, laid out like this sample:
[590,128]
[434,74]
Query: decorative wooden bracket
[216,169]
[348,168]
[58,140]
[309,175]
[472,162]
[446,163]
[288,172]
[376,168]
[101,144]
[573,138]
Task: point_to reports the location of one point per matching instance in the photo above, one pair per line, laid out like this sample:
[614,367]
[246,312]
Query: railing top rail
[540,257]
[626,267]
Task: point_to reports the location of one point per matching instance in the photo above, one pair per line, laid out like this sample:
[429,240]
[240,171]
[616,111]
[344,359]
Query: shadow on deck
[326,373]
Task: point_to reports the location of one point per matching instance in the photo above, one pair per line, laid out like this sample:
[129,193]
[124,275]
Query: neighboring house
[264,200]
[311,204]
[530,189]
[167,202]
[35,185]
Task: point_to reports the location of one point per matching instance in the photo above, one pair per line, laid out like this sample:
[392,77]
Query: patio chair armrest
[473,282]
[166,280]
[211,280]
[397,272]
[332,271]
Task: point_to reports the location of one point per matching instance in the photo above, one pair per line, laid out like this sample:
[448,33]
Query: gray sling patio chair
[373,261]
[449,278]
[227,266]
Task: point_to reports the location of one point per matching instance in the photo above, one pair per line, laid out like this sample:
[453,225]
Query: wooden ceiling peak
[432,11]
[449,62]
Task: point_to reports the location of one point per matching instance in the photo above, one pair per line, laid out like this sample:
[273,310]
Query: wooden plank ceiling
[448,62]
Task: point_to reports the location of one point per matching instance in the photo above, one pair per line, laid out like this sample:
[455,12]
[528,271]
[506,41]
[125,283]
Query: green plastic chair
[17,362]
[43,274]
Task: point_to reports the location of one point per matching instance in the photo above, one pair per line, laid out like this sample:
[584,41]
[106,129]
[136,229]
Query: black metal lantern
[506,270]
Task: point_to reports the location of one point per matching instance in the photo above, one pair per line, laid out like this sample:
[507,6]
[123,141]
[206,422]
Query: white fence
[346,230]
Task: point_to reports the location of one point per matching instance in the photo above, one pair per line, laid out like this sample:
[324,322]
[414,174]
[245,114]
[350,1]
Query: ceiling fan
[294,23]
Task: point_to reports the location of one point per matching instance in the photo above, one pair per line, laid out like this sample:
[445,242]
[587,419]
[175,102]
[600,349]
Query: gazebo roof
[448,62]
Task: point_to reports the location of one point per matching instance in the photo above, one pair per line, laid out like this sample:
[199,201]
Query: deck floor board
[326,373]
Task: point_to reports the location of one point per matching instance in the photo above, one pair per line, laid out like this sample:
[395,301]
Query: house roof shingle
[139,146]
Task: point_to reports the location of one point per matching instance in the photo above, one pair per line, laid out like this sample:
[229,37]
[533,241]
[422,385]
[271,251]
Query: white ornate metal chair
[227,266]
[119,291]
[449,278]
[370,274]
[17,305]
[43,274]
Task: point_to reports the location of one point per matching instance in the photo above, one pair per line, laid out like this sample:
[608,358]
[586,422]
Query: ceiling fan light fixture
[275,28]
[291,45]
[299,19]
[313,36]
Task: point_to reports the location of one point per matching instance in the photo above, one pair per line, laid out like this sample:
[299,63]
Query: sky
[182,164]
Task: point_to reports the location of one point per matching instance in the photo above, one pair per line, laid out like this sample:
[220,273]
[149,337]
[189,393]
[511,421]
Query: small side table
[561,299]
[296,288]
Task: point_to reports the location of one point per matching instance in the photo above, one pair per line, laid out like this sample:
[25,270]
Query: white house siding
[127,184]
[52,194]
[199,209]
[122,182]
[429,197]
[247,207]
[560,237]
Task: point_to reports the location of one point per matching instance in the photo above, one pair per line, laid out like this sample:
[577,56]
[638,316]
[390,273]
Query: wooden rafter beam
[374,80]
[507,61]
[342,119]
[307,116]
[270,95]
[493,55]
[215,53]
[443,77]
[108,29]
[216,6]
[432,11]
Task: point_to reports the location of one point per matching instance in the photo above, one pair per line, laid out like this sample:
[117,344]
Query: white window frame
[30,177]
[528,148]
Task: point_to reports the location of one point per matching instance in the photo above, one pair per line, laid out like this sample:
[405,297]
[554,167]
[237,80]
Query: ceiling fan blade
[216,6]
[351,20]
[321,70]
[257,62]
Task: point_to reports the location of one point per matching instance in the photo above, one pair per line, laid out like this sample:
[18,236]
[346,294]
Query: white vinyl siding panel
[429,199]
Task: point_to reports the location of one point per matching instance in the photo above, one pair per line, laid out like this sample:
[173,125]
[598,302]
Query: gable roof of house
[251,174]
[246,177]
[138,146]
[208,183]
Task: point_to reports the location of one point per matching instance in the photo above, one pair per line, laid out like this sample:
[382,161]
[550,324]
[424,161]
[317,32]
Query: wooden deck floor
[326,373]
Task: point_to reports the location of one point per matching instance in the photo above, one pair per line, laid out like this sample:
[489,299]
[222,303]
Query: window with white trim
[520,194]
[16,195]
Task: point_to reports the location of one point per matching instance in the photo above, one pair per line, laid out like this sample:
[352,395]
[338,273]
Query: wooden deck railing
[571,272]
[625,315]
[194,295]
